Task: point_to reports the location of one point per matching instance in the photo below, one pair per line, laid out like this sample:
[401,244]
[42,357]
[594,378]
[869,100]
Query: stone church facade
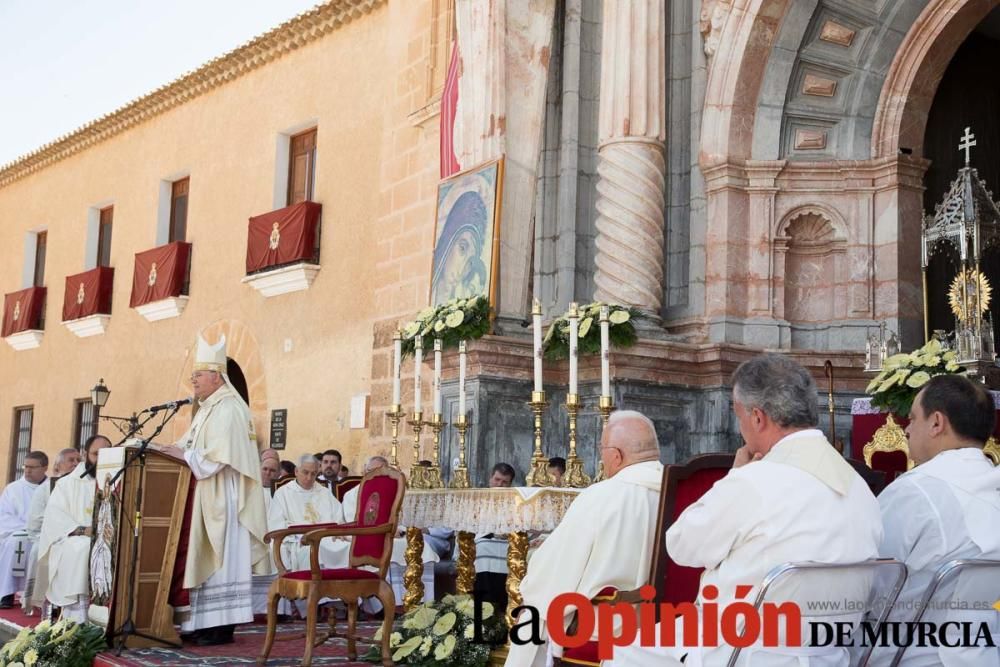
[750,173]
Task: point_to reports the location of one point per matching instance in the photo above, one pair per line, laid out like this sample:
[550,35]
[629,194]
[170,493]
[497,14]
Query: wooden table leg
[517,567]
[466,563]
[413,577]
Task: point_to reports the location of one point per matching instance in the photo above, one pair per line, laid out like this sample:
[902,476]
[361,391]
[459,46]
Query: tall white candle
[605,354]
[536,315]
[437,376]
[418,359]
[461,378]
[574,329]
[397,358]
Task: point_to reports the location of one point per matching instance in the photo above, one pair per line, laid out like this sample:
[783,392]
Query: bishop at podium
[228,520]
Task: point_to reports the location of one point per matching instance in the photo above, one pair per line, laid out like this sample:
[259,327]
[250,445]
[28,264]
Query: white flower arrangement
[903,375]
[621,330]
[452,322]
[63,644]
[443,634]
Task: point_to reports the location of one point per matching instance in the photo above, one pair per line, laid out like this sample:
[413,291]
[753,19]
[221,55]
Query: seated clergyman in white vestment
[15,502]
[606,538]
[398,563]
[64,545]
[34,595]
[789,497]
[228,521]
[946,508]
[491,550]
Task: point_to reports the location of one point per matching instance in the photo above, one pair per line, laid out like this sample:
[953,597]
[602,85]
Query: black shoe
[7,602]
[190,636]
[216,636]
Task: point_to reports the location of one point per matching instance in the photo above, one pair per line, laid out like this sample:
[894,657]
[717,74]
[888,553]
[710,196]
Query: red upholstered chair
[682,486]
[379,502]
[891,464]
[341,488]
[889,451]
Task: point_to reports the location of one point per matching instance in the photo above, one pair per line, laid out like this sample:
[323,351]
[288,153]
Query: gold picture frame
[466,258]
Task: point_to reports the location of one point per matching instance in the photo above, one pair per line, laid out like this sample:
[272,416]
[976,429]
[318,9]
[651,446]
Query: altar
[513,511]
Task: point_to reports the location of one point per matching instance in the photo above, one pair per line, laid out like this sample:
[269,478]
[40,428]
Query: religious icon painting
[467,235]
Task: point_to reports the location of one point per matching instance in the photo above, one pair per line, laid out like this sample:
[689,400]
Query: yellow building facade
[366,74]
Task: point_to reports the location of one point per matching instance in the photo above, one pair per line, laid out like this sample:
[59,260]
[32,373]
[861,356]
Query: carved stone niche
[809,269]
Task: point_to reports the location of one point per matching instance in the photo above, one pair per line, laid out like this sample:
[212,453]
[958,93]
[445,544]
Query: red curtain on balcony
[88,293]
[283,236]
[22,311]
[159,273]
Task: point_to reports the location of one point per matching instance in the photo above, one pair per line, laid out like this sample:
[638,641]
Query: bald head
[629,437]
[269,454]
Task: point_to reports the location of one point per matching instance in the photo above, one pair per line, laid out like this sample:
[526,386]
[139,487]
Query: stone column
[632,130]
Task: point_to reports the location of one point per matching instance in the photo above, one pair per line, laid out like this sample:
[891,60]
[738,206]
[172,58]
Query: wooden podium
[164,482]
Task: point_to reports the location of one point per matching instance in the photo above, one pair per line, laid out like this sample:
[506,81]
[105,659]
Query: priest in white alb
[228,520]
[34,595]
[790,497]
[15,503]
[606,538]
[306,502]
[64,544]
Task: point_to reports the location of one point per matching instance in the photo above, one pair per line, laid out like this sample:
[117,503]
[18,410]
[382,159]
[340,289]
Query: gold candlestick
[432,475]
[539,475]
[417,481]
[606,405]
[395,415]
[575,476]
[460,475]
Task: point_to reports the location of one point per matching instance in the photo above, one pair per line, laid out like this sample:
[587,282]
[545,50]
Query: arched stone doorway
[244,356]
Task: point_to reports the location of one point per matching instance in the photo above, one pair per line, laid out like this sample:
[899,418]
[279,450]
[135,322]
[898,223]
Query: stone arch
[241,347]
[810,256]
[916,71]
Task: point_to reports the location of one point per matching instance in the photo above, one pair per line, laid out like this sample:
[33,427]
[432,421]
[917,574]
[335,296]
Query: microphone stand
[128,627]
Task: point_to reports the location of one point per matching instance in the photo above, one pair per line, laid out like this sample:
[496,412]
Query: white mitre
[210,357]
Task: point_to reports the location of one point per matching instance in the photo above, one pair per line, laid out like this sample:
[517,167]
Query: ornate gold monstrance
[977,291]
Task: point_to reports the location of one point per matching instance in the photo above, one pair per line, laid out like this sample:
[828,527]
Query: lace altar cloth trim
[504,510]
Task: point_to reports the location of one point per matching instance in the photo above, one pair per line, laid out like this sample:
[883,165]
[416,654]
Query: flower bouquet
[442,634]
[64,644]
[452,322]
[902,376]
[621,330]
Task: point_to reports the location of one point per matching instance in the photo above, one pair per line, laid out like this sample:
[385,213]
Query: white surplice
[261,583]
[66,558]
[292,505]
[801,502]
[945,509]
[226,596]
[606,538]
[34,592]
[15,502]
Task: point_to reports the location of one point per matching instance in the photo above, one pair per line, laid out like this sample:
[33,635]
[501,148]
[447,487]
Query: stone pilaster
[631,168]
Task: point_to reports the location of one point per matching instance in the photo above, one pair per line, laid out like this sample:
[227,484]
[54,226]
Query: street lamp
[99,397]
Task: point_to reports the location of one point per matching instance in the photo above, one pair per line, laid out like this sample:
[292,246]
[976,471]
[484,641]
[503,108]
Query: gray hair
[780,388]
[61,456]
[373,459]
[306,459]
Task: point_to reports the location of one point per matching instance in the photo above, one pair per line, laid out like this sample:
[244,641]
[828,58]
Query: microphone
[169,406]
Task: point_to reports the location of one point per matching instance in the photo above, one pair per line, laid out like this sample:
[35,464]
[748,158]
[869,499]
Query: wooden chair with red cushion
[379,501]
[891,464]
[682,486]
[341,488]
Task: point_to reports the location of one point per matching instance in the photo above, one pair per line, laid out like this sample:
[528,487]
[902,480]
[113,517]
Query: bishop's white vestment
[228,521]
[67,558]
[801,502]
[945,509]
[606,538]
[15,502]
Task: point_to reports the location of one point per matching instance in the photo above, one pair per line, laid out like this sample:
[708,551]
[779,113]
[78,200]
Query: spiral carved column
[630,160]
[630,224]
